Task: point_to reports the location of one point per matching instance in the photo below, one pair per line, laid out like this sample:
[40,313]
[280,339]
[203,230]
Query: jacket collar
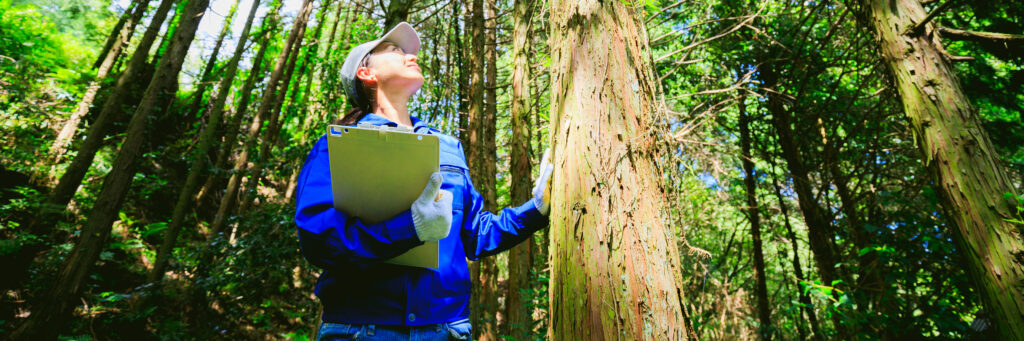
[379,120]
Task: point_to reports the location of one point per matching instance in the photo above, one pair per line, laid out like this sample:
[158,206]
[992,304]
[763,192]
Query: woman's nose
[411,57]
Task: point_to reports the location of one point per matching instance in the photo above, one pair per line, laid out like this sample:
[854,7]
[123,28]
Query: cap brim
[405,37]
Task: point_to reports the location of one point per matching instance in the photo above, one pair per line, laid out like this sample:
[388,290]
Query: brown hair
[359,109]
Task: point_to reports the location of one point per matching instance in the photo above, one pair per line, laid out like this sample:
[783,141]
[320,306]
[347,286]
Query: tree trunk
[200,155]
[520,258]
[116,36]
[398,11]
[112,109]
[231,131]
[820,230]
[964,165]
[753,213]
[474,143]
[75,270]
[269,138]
[204,78]
[615,271]
[119,38]
[267,101]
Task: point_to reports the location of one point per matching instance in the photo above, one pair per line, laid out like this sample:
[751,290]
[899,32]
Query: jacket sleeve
[486,233]
[329,237]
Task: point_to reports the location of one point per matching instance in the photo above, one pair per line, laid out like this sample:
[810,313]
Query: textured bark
[199,157]
[615,271]
[266,104]
[474,143]
[75,270]
[753,214]
[112,109]
[964,165]
[119,38]
[520,258]
[398,11]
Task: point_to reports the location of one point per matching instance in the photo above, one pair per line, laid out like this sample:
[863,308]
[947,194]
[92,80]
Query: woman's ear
[366,77]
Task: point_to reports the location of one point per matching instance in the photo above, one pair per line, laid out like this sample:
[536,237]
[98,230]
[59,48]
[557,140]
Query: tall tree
[475,142]
[112,109]
[753,214]
[965,167]
[520,258]
[76,268]
[615,270]
[119,38]
[199,157]
[204,79]
[267,103]
[224,151]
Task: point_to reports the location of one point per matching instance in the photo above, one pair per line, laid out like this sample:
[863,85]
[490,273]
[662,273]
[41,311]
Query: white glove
[432,211]
[541,190]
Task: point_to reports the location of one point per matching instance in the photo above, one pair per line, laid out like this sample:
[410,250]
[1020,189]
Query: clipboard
[377,172]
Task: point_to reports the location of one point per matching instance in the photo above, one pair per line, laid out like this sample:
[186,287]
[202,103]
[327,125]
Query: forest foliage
[843,232]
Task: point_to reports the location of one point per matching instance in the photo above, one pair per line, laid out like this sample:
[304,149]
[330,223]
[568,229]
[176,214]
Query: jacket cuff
[401,228]
[531,217]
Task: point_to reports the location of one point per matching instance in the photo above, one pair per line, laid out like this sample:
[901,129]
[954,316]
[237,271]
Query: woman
[361,295]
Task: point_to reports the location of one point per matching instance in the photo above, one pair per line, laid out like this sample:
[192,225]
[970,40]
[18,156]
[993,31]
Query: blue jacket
[356,287]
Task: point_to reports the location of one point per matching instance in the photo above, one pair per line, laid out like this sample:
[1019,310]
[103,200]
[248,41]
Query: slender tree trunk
[200,155]
[266,104]
[820,230]
[485,178]
[112,109]
[753,213]
[231,131]
[474,143]
[965,167]
[119,38]
[798,270]
[520,258]
[271,134]
[204,79]
[615,271]
[75,270]
[116,35]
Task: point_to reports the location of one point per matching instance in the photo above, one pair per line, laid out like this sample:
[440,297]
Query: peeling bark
[964,165]
[615,271]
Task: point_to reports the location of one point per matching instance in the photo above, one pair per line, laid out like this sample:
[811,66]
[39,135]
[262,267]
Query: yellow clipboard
[377,172]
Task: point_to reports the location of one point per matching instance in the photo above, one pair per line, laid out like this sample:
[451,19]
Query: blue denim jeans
[458,330]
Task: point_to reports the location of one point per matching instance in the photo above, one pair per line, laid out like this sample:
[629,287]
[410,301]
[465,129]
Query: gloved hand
[541,188]
[432,211]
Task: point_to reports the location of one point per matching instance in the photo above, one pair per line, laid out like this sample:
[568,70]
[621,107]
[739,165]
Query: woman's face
[391,69]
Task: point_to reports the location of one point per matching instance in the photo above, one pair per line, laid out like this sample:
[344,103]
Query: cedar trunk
[119,38]
[520,258]
[199,157]
[964,165]
[753,213]
[112,109]
[615,271]
[267,101]
[75,270]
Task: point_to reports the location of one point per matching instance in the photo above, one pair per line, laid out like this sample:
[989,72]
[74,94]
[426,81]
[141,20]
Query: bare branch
[919,27]
[978,36]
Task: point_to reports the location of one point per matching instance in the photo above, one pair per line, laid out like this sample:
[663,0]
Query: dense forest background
[806,161]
